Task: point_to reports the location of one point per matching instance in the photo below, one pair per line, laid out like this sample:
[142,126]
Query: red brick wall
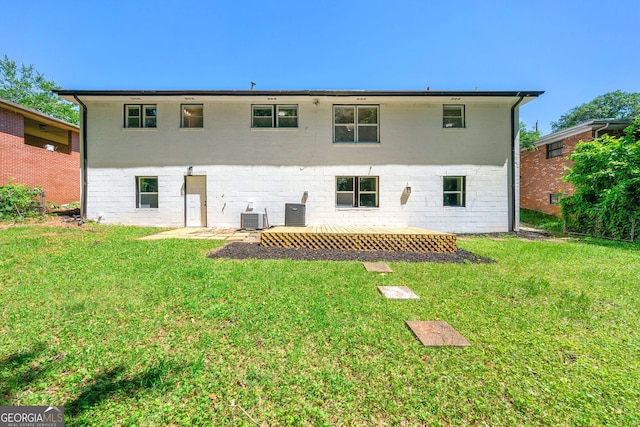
[57,173]
[540,177]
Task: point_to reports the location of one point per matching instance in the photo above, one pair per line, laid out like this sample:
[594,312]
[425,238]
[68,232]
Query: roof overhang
[253,95]
[37,116]
[591,125]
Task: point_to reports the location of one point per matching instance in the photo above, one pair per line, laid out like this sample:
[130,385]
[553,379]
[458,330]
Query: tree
[26,86]
[613,105]
[606,178]
[528,137]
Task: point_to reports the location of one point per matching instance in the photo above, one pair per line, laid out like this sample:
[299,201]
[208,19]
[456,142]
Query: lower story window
[147,192]
[554,198]
[357,191]
[453,190]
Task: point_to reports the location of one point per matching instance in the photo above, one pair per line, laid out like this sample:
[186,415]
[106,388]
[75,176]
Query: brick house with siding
[542,169]
[38,150]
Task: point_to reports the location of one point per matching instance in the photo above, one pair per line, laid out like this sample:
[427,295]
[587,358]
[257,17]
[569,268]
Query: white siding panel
[231,189]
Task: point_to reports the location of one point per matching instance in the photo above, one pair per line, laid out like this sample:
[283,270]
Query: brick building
[39,151]
[542,169]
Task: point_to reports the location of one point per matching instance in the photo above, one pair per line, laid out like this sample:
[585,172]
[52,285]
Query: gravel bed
[240,250]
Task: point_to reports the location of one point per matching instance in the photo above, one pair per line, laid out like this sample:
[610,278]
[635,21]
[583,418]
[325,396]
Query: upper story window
[140,116]
[554,150]
[357,191]
[453,116]
[192,116]
[274,116]
[453,190]
[355,124]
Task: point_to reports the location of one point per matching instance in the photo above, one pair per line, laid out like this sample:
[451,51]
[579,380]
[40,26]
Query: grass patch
[542,221]
[128,332]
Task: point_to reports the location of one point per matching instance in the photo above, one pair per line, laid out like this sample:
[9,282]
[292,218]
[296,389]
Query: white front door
[196,203]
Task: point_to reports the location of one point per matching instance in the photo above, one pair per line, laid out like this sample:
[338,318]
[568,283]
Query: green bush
[18,201]
[606,177]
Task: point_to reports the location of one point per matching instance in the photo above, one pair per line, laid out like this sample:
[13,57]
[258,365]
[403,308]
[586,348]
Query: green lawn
[128,332]
[537,219]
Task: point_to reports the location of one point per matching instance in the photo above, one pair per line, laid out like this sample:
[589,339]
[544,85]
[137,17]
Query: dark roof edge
[454,93]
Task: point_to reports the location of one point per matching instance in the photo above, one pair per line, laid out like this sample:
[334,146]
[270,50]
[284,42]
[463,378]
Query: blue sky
[573,50]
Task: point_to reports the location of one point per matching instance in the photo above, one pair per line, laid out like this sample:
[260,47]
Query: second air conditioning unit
[253,220]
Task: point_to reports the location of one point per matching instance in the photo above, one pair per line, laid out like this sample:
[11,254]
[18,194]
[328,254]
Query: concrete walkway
[228,234]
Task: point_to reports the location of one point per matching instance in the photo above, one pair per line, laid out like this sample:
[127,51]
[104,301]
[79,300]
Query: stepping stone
[397,292]
[377,267]
[437,334]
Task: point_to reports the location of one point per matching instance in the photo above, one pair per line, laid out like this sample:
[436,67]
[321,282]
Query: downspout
[83,170]
[602,128]
[515,150]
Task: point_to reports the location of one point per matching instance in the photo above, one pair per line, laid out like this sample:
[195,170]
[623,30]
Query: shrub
[606,177]
[18,201]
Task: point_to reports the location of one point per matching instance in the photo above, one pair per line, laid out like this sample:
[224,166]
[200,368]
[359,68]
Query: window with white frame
[453,116]
[192,116]
[357,191]
[146,192]
[355,124]
[140,116]
[274,116]
[453,190]
[554,150]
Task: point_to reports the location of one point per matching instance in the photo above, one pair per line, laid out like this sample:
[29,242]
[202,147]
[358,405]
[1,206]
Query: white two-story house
[442,160]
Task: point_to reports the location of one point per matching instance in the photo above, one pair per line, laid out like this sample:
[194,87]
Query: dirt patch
[238,250]
[44,221]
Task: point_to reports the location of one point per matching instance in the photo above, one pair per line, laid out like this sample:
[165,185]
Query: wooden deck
[409,239]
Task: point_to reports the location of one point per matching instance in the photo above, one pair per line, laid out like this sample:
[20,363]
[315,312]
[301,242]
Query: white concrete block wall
[230,190]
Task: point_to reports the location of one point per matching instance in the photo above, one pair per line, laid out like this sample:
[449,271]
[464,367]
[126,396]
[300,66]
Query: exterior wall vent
[252,220]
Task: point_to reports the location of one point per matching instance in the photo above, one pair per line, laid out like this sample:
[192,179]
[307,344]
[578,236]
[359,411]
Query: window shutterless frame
[356,124]
[262,116]
[132,116]
[554,150]
[274,116]
[453,116]
[453,191]
[149,116]
[368,191]
[286,116]
[554,198]
[146,192]
[345,192]
[140,116]
[357,191]
[191,116]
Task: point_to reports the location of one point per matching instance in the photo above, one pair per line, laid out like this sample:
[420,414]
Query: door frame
[203,209]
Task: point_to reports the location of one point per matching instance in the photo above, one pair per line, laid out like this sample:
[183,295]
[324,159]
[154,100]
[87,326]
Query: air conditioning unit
[294,214]
[253,220]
